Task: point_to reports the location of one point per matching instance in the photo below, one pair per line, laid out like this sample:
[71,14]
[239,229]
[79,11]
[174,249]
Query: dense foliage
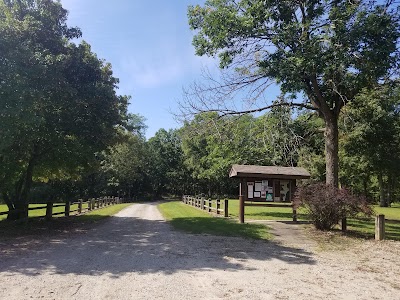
[65,133]
[58,104]
[325,52]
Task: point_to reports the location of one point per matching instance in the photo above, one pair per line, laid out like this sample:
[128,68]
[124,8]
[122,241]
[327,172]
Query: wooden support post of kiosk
[241,202]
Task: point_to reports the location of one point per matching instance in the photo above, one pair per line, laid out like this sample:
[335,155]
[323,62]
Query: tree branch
[281,104]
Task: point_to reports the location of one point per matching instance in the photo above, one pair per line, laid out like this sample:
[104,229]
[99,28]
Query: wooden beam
[262,204]
[241,202]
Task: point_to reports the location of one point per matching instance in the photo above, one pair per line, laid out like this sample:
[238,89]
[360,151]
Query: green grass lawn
[42,212]
[189,219]
[358,227]
[103,213]
[264,213]
[37,227]
[391,213]
[365,227]
[283,213]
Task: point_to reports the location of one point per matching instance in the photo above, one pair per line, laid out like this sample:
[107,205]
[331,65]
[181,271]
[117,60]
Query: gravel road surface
[137,255]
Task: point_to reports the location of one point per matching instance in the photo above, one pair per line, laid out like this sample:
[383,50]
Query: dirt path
[137,255]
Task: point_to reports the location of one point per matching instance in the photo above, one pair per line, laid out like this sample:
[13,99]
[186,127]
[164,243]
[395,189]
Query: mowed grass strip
[103,213]
[391,213]
[364,228]
[96,214]
[186,218]
[265,213]
[42,212]
[37,228]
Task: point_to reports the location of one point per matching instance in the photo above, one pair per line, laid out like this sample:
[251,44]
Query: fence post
[294,215]
[203,203]
[49,211]
[209,204]
[380,227]
[218,206]
[98,202]
[344,224]
[80,206]
[226,211]
[67,208]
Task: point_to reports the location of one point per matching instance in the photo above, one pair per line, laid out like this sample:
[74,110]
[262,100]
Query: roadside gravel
[137,255]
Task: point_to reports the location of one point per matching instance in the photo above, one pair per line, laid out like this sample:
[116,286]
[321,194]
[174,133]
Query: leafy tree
[166,170]
[212,144]
[309,127]
[326,50]
[58,104]
[372,138]
[124,165]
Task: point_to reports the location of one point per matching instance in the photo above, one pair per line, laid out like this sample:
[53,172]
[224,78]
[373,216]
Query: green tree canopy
[327,51]
[371,140]
[58,104]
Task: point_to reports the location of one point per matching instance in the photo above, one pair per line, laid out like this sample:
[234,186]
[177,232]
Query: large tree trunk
[332,150]
[19,202]
[382,199]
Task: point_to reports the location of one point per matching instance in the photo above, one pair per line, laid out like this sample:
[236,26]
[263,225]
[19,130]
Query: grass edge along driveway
[189,219]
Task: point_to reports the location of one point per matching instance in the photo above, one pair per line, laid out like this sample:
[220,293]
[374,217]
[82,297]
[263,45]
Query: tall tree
[326,50]
[166,170]
[58,104]
[372,138]
[124,165]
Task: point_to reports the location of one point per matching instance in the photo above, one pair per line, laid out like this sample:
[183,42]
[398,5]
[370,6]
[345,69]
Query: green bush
[327,205]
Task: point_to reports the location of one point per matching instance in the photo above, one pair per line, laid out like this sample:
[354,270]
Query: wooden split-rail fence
[82,206]
[218,206]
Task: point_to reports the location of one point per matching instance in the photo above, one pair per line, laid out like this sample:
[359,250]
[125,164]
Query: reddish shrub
[327,205]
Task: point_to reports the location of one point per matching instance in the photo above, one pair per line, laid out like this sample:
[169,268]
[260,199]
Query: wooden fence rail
[90,204]
[209,205]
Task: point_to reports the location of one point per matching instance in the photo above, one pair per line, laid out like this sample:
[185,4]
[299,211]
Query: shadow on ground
[123,245]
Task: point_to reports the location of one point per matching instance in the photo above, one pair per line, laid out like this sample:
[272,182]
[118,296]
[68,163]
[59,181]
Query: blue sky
[149,46]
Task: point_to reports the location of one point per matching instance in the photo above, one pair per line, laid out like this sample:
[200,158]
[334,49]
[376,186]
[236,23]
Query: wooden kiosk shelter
[266,184]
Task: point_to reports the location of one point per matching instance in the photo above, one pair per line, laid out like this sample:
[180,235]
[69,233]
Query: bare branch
[280,104]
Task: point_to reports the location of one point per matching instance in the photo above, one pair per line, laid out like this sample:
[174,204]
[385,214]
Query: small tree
[327,205]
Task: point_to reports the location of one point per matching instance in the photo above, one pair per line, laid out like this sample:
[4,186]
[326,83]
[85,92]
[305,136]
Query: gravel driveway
[137,255]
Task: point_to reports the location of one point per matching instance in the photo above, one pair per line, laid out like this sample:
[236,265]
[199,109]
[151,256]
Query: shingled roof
[249,171]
